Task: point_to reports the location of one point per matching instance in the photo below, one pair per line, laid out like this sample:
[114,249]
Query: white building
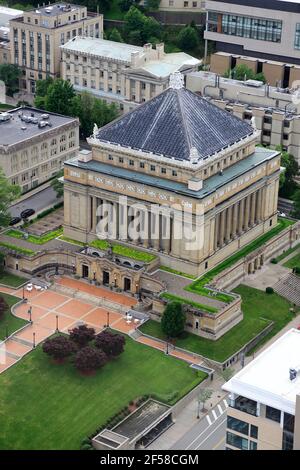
[264,411]
[276,111]
[6,14]
[121,73]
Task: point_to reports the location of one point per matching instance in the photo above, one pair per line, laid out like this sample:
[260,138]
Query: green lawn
[11,280]
[259,309]
[122,250]
[183,300]
[33,238]
[48,406]
[8,320]
[174,271]
[18,249]
[198,286]
[293,262]
[287,252]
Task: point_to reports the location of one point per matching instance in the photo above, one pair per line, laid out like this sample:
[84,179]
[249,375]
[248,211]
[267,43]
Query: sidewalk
[185,421]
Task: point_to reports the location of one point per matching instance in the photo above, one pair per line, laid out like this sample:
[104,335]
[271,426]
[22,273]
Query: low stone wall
[235,274]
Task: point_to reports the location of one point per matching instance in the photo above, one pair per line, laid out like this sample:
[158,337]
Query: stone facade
[35,39]
[121,73]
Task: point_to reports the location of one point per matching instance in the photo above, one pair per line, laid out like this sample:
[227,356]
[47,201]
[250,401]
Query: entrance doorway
[127,284]
[105,277]
[85,271]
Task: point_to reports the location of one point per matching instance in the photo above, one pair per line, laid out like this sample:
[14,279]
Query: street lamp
[29,313]
[6,330]
[167,347]
[57,330]
[33,340]
[115,280]
[107,319]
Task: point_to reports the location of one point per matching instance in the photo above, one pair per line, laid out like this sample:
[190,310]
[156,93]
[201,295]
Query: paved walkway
[50,309]
[267,276]
[175,285]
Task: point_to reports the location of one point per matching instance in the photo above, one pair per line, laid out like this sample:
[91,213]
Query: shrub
[269,290]
[173,320]
[297,270]
[111,344]
[86,447]
[82,335]
[89,359]
[3,307]
[274,261]
[59,347]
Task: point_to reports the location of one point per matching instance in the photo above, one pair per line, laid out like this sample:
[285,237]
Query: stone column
[259,206]
[241,216]
[145,228]
[228,224]
[217,228]
[89,213]
[123,218]
[222,227]
[94,213]
[176,235]
[252,209]
[247,212]
[165,233]
[235,219]
[155,231]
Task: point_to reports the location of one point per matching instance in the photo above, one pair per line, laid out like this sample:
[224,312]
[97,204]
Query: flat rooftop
[6,14]
[209,185]
[102,48]
[170,63]
[266,378]
[11,131]
[57,9]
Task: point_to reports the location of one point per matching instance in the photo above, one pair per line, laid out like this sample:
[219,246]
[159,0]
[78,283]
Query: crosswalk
[217,412]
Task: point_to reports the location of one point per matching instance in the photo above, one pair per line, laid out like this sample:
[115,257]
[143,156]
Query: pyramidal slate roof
[175,123]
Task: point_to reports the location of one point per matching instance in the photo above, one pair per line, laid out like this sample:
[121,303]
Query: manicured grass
[174,271]
[259,310]
[124,251]
[183,300]
[4,107]
[8,320]
[11,280]
[18,249]
[48,406]
[287,253]
[70,240]
[199,285]
[33,238]
[293,262]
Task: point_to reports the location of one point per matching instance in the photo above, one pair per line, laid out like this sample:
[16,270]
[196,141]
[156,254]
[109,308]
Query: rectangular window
[246,26]
[121,160]
[174,173]
[253,431]
[131,162]
[110,157]
[152,167]
[237,425]
[273,414]
[297,36]
[236,441]
[163,170]
[253,445]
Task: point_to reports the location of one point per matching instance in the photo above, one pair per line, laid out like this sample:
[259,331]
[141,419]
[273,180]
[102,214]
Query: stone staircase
[289,287]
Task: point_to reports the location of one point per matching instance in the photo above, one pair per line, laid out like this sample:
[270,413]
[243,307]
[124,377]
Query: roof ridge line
[155,119]
[184,121]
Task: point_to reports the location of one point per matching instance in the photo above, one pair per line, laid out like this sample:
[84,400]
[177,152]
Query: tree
[91,110]
[296,209]
[204,395]
[88,359]
[173,320]
[82,335]
[111,344]
[288,186]
[59,347]
[59,97]
[243,72]
[10,75]
[134,20]
[188,38]
[41,90]
[125,5]
[3,307]
[152,4]
[151,29]
[8,193]
[115,35]
[58,185]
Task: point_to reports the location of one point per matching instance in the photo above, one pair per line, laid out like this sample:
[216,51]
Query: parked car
[27,213]
[15,220]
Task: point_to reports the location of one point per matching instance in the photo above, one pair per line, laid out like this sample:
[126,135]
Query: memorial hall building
[177,150]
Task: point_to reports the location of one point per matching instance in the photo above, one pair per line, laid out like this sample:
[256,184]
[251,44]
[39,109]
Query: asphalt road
[38,202]
[208,434]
